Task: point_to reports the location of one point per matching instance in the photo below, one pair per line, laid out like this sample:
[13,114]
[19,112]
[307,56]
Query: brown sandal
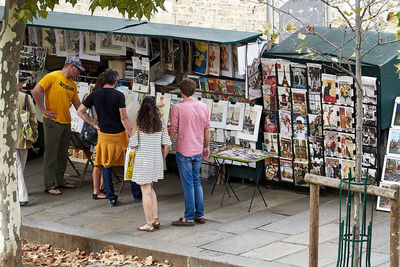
[146,227]
[156,223]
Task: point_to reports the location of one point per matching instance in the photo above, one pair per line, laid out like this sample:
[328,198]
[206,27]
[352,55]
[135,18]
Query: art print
[270,143]
[104,46]
[163,103]
[221,86]
[317,168]
[346,121]
[269,96]
[330,117]
[72,43]
[83,90]
[235,116]
[383,203]
[209,103]
[300,150]
[391,170]
[240,88]
[212,85]
[368,173]
[285,146]
[239,74]
[299,76]
[226,61]
[285,122]
[286,168]
[270,122]
[230,87]
[315,122]
[332,144]
[348,169]
[370,94]
[283,71]
[369,136]
[61,49]
[218,114]
[251,123]
[393,146]
[316,148]
[32,58]
[167,54]
[141,70]
[271,169]
[33,33]
[300,126]
[268,68]
[200,58]
[142,45]
[345,90]
[314,77]
[284,98]
[369,115]
[299,101]
[369,157]
[396,114]
[49,40]
[254,79]
[89,43]
[329,88]
[214,60]
[123,40]
[314,102]
[91,55]
[230,136]
[347,145]
[332,168]
[300,170]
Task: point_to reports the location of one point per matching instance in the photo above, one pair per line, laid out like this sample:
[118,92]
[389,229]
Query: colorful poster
[330,117]
[300,126]
[391,170]
[393,146]
[271,169]
[396,114]
[285,122]
[283,71]
[300,170]
[286,167]
[226,60]
[284,98]
[346,121]
[270,122]
[200,58]
[348,169]
[332,144]
[285,146]
[345,90]
[299,101]
[269,94]
[332,168]
[329,88]
[300,150]
[268,68]
[299,75]
[314,77]
[347,145]
[214,60]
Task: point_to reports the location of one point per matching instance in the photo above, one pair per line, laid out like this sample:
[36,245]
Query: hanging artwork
[300,170]
[34,39]
[315,122]
[332,168]
[104,46]
[283,71]
[299,76]
[239,64]
[49,40]
[214,60]
[271,169]
[299,101]
[317,168]
[347,145]
[393,146]
[87,47]
[345,90]
[268,68]
[316,148]
[370,94]
[346,121]
[286,167]
[391,170]
[300,126]
[60,43]
[371,173]
[200,58]
[285,122]
[254,79]
[369,136]
[270,142]
[369,158]
[285,146]
[369,115]
[329,88]
[396,114]
[72,43]
[209,104]
[218,114]
[314,101]
[226,61]
[300,150]
[251,123]
[314,77]
[141,71]
[383,203]
[32,58]
[330,117]
[235,116]
[123,40]
[167,54]
[163,103]
[142,45]
[269,95]
[284,98]
[348,169]
[332,144]
[270,122]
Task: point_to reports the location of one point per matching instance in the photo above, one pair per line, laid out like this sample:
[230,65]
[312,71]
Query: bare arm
[37,93]
[84,116]
[125,121]
[165,148]
[76,103]
[206,149]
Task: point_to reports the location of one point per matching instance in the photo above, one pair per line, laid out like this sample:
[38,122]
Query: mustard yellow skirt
[110,149]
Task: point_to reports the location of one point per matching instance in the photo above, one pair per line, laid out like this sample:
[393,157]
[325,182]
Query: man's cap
[76,61]
[21,77]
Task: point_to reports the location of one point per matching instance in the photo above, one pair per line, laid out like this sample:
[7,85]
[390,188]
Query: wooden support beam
[314,225]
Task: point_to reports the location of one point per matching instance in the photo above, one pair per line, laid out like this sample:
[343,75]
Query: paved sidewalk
[272,236]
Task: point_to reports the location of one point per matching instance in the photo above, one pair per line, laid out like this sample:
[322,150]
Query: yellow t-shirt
[59,92]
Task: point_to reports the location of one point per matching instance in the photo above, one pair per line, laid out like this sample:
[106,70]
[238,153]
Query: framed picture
[286,168]
[330,117]
[314,103]
[396,114]
[300,170]
[299,74]
[369,115]
[268,68]
[285,146]
[299,101]
[300,150]
[369,136]
[85,46]
[284,98]
[271,169]
[283,71]
[269,96]
[383,203]
[393,146]
[72,42]
[348,169]
[270,143]
[300,126]
[251,123]
[142,45]
[163,102]
[329,94]
[104,46]
[369,158]
[370,95]
[218,114]
[200,58]
[391,170]
[270,122]
[123,40]
[317,168]
[214,60]
[227,61]
[314,77]
[235,116]
[332,168]
[141,77]
[332,144]
[315,122]
[345,90]
[285,122]
[49,40]
[347,145]
[61,50]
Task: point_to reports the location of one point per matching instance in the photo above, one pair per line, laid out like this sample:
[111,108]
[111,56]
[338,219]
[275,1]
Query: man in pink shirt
[190,119]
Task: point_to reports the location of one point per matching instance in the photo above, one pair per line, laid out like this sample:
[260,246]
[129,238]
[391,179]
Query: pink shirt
[189,119]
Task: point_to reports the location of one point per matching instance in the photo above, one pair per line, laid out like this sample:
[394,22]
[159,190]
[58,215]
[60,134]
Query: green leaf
[347,13]
[398,35]
[358,10]
[303,43]
[398,18]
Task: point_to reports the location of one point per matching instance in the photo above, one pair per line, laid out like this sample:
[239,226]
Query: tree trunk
[11,37]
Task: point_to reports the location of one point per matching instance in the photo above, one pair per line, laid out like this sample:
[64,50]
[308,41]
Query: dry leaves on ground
[46,255]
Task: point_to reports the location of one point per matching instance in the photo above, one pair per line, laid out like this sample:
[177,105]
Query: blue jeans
[189,171]
[136,192]
[108,184]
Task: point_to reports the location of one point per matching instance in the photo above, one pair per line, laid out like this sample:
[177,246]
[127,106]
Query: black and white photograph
[369,115]
[32,58]
[330,117]
[230,137]
[286,168]
[316,148]
[142,45]
[285,122]
[317,168]
[283,71]
[369,157]
[332,144]
[49,40]
[284,98]
[300,170]
[393,145]
[72,43]
[141,70]
[219,114]
[329,93]
[251,122]
[314,77]
[369,136]
[332,168]
[347,145]
[370,94]
[270,143]
[371,173]
[348,168]
[89,43]
[61,49]
[391,170]
[285,146]
[254,76]
[314,103]
[235,116]
[300,126]
[315,122]
[167,53]
[345,90]
[104,46]
[300,150]
[299,76]
[383,203]
[271,169]
[123,40]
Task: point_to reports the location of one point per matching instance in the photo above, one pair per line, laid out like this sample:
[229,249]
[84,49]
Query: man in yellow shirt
[59,91]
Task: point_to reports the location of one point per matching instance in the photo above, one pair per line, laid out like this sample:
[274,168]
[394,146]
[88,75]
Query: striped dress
[148,165]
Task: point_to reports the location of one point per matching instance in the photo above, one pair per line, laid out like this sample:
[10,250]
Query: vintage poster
[369,136]
[330,117]
[332,168]
[200,58]
[251,123]
[284,98]
[329,88]
[383,203]
[314,77]
[391,170]
[285,122]
[271,169]
[270,142]
[317,168]
[61,50]
[346,121]
[393,146]
[142,45]
[369,115]
[49,40]
[214,60]
[396,114]
[226,61]
[299,76]
[72,43]
[315,122]
[163,102]
[285,146]
[167,54]
[104,46]
[89,43]
[218,114]
[370,93]
[123,40]
[269,94]
[348,168]
[300,126]
[299,101]
[369,158]
[345,90]
[235,116]
[141,71]
[268,68]
[347,145]
[314,101]
[286,167]
[283,71]
[300,150]
[300,170]
[240,88]
[371,173]
[270,122]
[332,144]
[316,148]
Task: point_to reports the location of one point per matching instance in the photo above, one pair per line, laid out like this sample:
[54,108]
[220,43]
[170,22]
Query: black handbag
[89,134]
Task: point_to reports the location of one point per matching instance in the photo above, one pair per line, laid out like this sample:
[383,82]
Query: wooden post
[314,225]
[394,229]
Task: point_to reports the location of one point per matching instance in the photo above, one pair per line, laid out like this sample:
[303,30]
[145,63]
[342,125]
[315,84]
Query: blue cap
[76,61]
[21,77]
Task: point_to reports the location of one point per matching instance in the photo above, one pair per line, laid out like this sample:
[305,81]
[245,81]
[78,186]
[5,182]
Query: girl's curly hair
[148,118]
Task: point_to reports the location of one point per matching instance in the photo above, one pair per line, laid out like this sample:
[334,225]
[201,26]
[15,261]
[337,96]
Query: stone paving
[276,235]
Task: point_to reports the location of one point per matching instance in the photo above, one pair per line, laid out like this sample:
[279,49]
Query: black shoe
[113,203]
[22,203]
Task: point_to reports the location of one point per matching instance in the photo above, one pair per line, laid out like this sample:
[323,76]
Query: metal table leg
[257,187]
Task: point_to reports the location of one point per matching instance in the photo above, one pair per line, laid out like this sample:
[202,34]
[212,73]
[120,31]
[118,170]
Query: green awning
[79,22]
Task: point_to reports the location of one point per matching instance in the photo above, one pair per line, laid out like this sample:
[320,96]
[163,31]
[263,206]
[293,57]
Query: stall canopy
[77,22]
[379,61]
